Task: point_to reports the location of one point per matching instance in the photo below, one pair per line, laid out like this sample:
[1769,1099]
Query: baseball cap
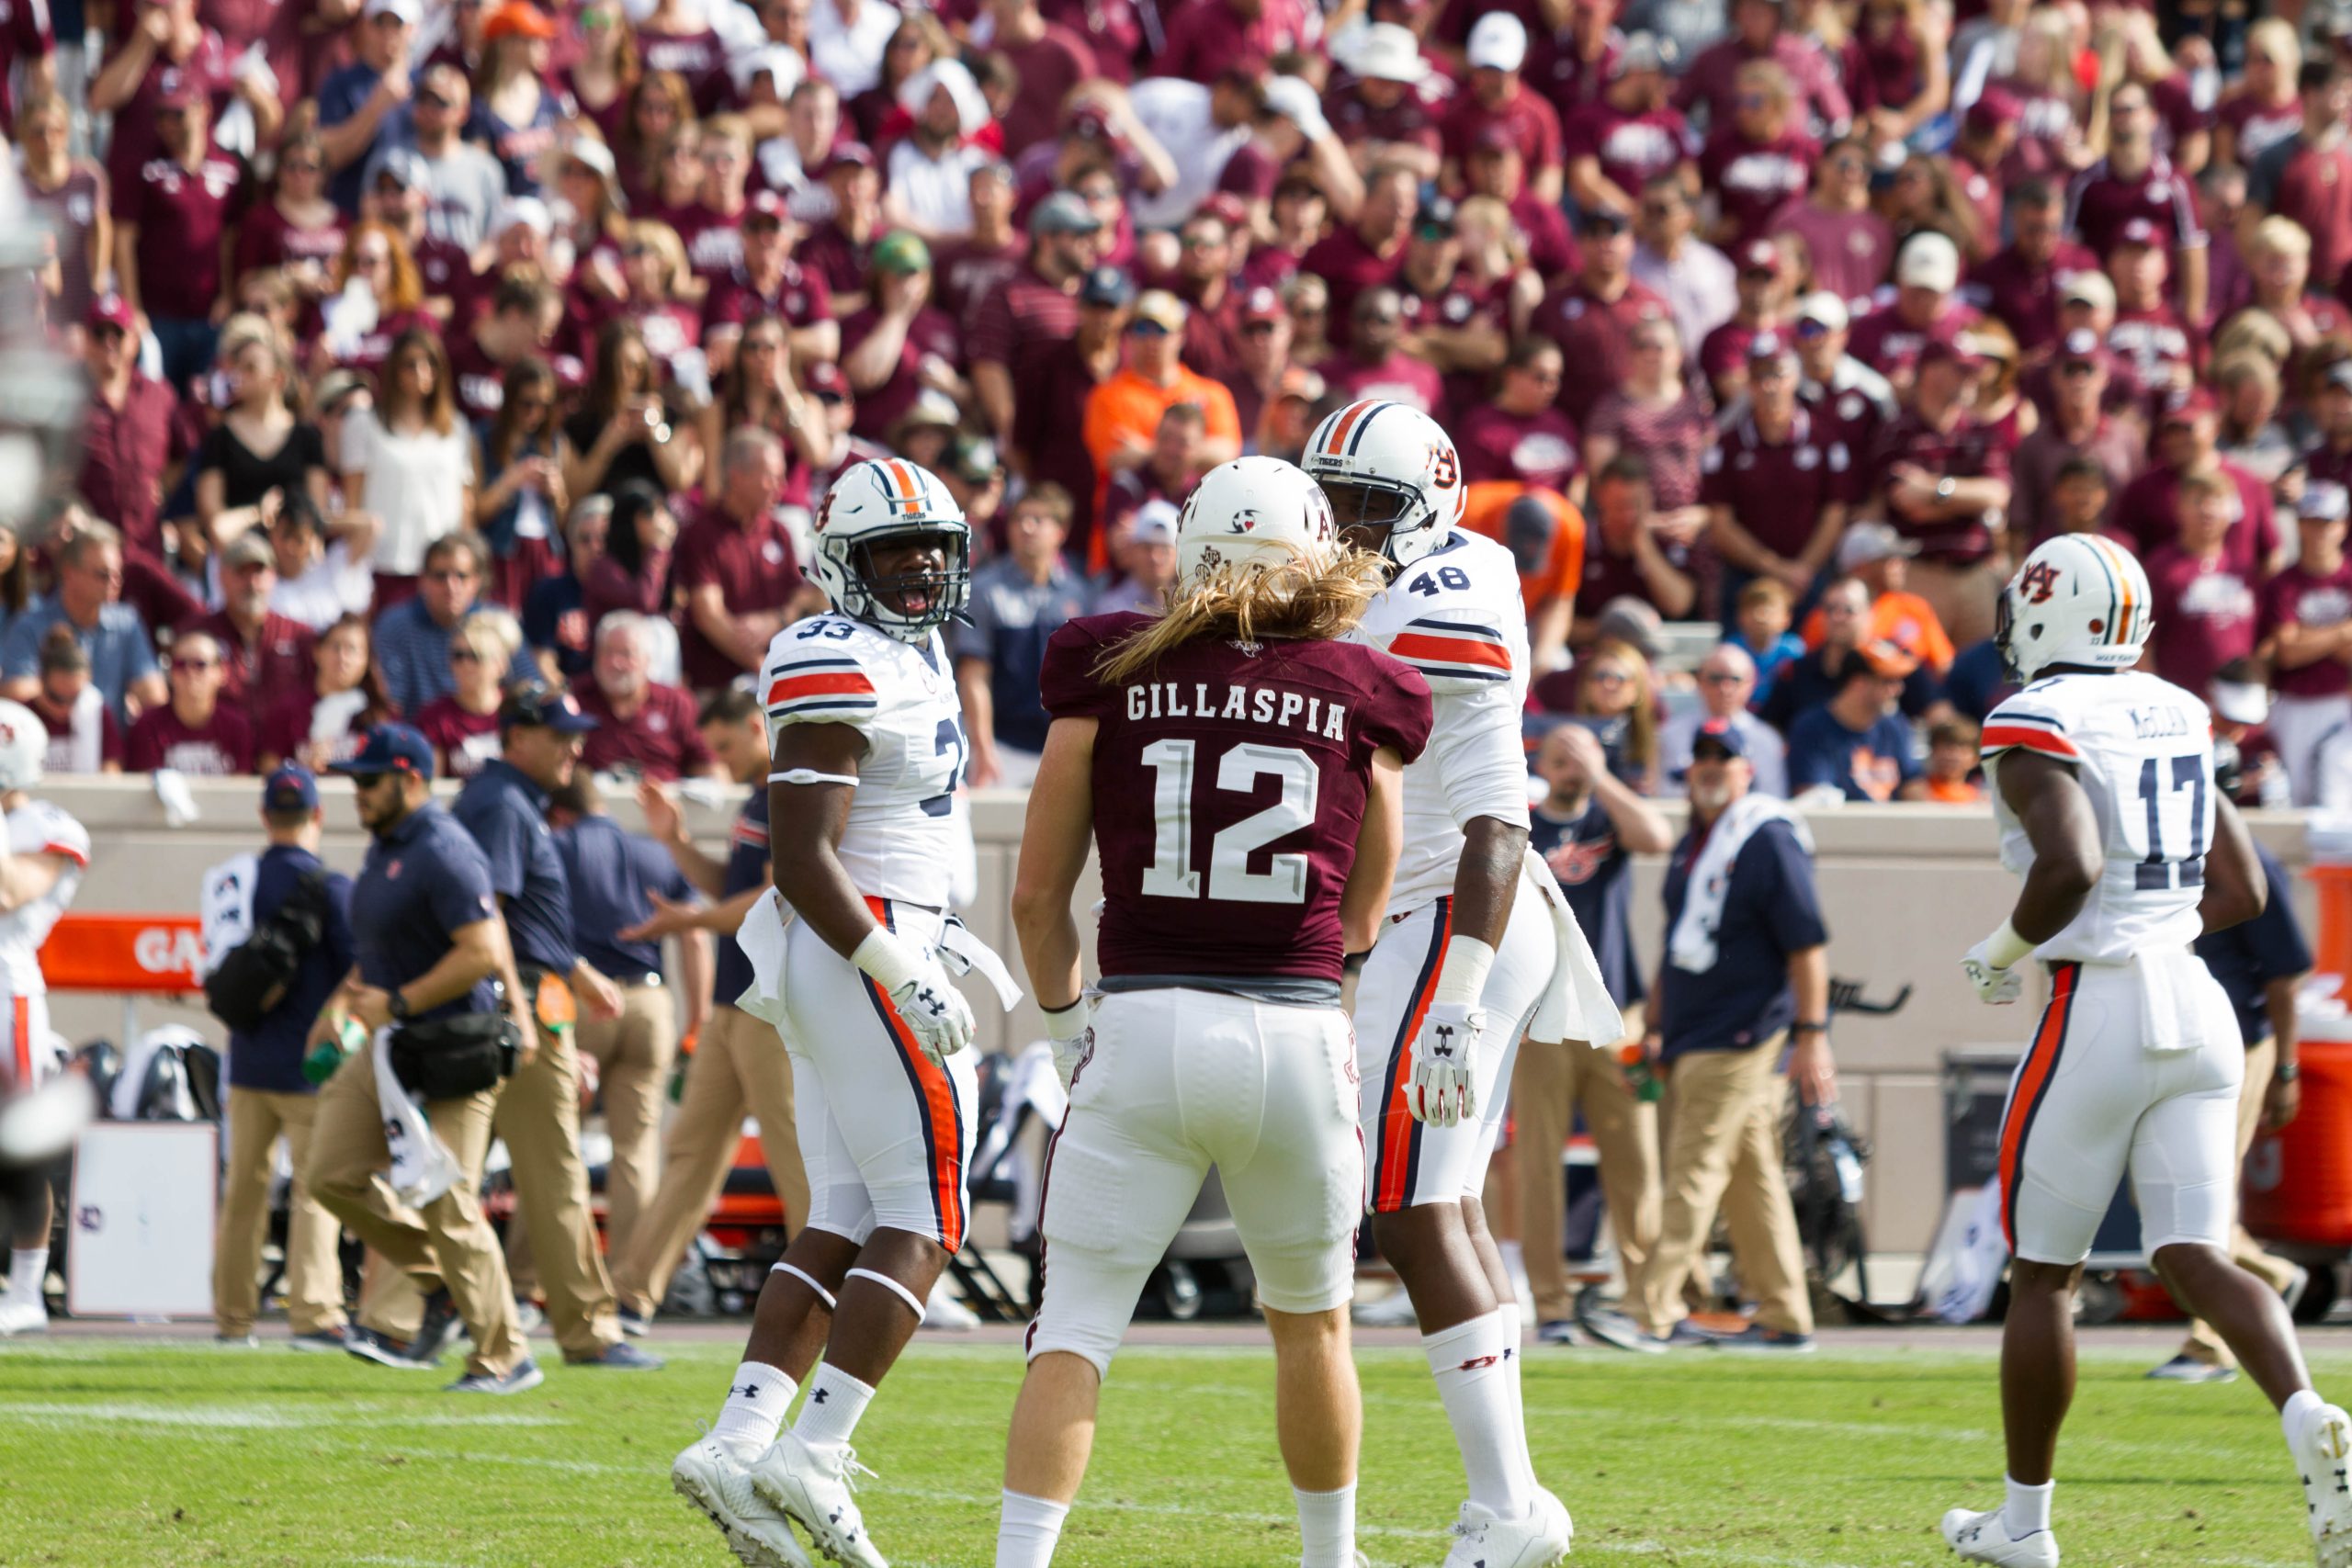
[1951,351]
[1302,382]
[2138,232]
[2185,405]
[1262,304]
[1158,308]
[849,155]
[388,748]
[1929,261]
[409,11]
[1155,523]
[519,18]
[1760,256]
[2242,702]
[902,252]
[1498,42]
[1390,52]
[1995,108]
[593,155]
[1885,660]
[110,311]
[1064,212]
[533,704]
[766,209]
[2323,501]
[1106,289]
[782,65]
[973,458]
[1640,53]
[1435,219]
[824,378]
[182,90]
[248,548]
[293,787]
[2082,346]
[1823,309]
[2089,287]
[524,212]
[2339,374]
[1723,735]
[931,407]
[406,167]
[1769,347]
[1867,542]
[1634,621]
[1599,220]
[1496,137]
[1087,122]
[336,386]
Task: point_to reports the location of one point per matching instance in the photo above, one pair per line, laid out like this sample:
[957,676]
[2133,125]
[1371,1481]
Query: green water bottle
[327,1055]
[1640,1077]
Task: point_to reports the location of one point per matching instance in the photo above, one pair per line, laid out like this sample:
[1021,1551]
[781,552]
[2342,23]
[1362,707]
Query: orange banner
[123,953]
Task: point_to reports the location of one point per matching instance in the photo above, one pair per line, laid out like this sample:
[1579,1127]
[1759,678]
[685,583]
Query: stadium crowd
[431,346]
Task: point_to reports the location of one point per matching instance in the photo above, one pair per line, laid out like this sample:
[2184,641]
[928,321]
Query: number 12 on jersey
[1171,873]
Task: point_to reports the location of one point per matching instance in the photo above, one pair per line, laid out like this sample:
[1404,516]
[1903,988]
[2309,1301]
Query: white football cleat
[813,1486]
[22,1317]
[714,1474]
[1482,1539]
[2323,1450]
[1985,1538]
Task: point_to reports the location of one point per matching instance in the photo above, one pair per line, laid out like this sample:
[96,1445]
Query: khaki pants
[2205,1344]
[1547,1087]
[446,1243]
[739,1067]
[1964,598]
[633,1053]
[313,1272]
[1722,1152]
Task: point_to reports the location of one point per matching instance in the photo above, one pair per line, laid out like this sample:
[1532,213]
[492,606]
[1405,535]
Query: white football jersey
[38,827]
[1455,616]
[2144,750]
[901,839]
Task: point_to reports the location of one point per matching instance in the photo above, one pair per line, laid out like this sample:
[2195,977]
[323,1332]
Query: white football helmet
[2079,599]
[1389,467]
[1253,509]
[883,499]
[24,742]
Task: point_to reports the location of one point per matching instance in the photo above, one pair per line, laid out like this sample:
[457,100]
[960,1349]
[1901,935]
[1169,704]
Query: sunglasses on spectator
[1722,677]
[303,166]
[433,100]
[1809,331]
[464,655]
[1258,329]
[2075,368]
[372,258]
[1608,677]
[1146,329]
[193,665]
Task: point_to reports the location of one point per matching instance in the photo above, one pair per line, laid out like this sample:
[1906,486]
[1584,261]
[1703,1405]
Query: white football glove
[1071,1032]
[1995,987]
[1445,1059]
[919,989]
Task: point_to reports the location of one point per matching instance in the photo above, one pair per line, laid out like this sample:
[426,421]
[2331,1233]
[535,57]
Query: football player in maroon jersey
[1240,770]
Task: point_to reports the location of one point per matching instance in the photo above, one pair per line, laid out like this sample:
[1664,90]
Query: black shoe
[1755,1337]
[384,1350]
[635,1323]
[330,1339]
[525,1376]
[433,1334]
[621,1356]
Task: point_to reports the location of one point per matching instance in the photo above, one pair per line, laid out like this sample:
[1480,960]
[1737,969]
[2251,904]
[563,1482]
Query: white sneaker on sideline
[944,1311]
[813,1486]
[1985,1538]
[1392,1311]
[22,1317]
[2323,1450]
[714,1474]
[1484,1540]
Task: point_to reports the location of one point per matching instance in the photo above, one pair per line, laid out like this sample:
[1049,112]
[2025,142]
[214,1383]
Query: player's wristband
[1064,1026]
[1808,1029]
[891,962]
[1353,963]
[2004,947]
[1462,978]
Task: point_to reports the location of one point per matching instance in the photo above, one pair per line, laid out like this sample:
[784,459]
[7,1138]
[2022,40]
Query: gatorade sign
[124,953]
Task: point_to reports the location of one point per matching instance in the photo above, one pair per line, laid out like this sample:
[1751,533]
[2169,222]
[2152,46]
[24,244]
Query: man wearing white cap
[1497,48]
[1390,112]
[1838,389]
[1925,309]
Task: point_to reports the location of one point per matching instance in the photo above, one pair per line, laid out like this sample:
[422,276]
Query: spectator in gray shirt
[464,186]
[1019,601]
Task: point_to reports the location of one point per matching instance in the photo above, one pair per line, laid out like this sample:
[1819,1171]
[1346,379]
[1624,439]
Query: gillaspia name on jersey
[1147,700]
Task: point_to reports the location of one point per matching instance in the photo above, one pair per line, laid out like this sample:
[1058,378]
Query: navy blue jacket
[506,812]
[270,1058]
[611,871]
[424,880]
[1771,910]
[2247,956]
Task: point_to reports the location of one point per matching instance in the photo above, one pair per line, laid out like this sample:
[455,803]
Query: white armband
[811,776]
[1461,974]
[888,961]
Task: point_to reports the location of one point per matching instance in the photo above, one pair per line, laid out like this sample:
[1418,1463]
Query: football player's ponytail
[1302,601]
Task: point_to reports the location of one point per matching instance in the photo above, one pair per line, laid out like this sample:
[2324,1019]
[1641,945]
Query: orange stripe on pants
[2032,1079]
[937,1107]
[1397,1124]
[20,1026]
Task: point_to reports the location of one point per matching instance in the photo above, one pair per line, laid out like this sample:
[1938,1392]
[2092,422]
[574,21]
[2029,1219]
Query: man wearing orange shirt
[1876,554]
[1122,413]
[1544,531]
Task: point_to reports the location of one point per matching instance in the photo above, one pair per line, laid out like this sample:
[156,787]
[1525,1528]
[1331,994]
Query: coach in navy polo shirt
[540,733]
[268,1096]
[1746,974]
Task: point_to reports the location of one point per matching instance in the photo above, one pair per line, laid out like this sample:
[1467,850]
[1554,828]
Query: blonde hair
[657,235]
[487,630]
[1299,600]
[2275,36]
[2278,235]
[2257,332]
[1641,714]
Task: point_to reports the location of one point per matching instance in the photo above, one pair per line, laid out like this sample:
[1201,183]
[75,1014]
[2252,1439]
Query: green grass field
[119,1453]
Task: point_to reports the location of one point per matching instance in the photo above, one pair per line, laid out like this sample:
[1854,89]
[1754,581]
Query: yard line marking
[222,1417]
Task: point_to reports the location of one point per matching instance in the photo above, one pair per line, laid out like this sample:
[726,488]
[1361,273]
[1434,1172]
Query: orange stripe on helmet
[1343,422]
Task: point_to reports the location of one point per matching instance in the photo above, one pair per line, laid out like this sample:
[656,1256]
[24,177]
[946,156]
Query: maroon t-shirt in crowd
[285,730]
[2146,348]
[1348,266]
[1537,449]
[448,273]
[1592,334]
[2308,600]
[1399,378]
[931,332]
[1206,37]
[1416,119]
[463,740]
[714,239]
[1849,251]
[1305,717]
[1019,324]
[1533,125]
[1756,182]
[2259,127]
[124,453]
[1776,489]
[844,264]
[221,747]
[2102,201]
[2205,617]
[1891,346]
[1631,148]
[1049,69]
[700,57]
[265,240]
[799,299]
[136,139]
[659,742]
[182,215]
[755,570]
[275,665]
[2022,295]
[1968,451]
[2149,513]
[965,272]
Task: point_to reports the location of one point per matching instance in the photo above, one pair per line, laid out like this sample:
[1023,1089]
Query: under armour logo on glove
[1444,1089]
[935,1013]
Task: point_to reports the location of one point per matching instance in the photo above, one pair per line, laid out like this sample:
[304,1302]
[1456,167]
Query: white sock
[1474,1383]
[1027,1529]
[1514,1264]
[830,1413]
[1514,1363]
[1327,1527]
[26,1267]
[2300,1407]
[2028,1509]
[756,1402]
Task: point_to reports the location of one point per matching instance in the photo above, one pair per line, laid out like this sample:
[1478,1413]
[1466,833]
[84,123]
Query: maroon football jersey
[1229,785]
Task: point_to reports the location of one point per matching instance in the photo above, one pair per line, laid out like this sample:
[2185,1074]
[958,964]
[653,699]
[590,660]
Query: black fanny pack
[445,1058]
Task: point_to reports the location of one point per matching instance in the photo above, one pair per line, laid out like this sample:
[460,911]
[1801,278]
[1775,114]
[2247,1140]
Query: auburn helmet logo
[2039,581]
